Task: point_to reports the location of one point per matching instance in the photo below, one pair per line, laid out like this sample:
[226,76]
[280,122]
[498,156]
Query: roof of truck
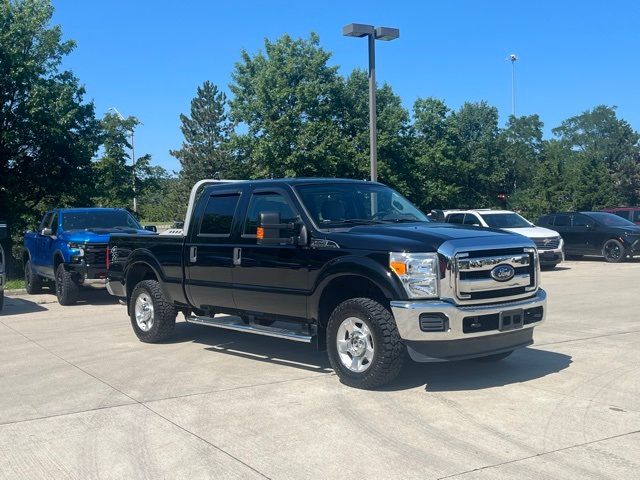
[299,180]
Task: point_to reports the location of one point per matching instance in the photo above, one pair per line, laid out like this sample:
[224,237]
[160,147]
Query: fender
[352,265]
[142,256]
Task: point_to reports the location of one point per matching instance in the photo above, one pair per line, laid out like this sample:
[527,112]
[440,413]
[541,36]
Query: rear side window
[46,221]
[624,214]
[267,202]
[218,215]
[582,221]
[636,216]
[562,221]
[470,219]
[456,218]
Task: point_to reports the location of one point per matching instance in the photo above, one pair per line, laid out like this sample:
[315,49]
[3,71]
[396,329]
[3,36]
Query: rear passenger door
[209,250]
[562,225]
[271,279]
[585,234]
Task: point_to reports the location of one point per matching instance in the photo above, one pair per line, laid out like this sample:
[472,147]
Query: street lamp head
[387,34]
[357,30]
[513,57]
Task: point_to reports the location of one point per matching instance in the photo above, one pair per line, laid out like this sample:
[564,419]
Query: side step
[234,323]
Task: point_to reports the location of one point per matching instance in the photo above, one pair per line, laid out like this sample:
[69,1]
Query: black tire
[163,315]
[66,286]
[1,299]
[388,349]
[613,251]
[548,266]
[496,357]
[32,281]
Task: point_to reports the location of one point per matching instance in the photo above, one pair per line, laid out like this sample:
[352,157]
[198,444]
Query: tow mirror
[151,228]
[270,228]
[47,232]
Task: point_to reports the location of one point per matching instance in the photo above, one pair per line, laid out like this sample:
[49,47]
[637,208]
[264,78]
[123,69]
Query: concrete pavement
[81,397]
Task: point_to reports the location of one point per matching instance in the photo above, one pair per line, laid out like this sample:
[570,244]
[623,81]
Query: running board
[234,323]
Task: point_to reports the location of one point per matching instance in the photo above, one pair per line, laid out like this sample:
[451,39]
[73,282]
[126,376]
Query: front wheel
[66,286]
[32,281]
[613,251]
[548,266]
[153,316]
[363,343]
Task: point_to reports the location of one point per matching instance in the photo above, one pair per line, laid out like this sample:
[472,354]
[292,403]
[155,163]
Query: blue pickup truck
[69,248]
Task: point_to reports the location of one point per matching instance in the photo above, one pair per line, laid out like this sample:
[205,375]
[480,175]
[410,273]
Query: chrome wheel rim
[612,251]
[144,312]
[355,345]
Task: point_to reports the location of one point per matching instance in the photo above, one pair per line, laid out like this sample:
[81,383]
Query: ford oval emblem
[503,273]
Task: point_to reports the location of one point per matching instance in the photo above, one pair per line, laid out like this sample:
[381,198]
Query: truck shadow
[525,364]
[20,305]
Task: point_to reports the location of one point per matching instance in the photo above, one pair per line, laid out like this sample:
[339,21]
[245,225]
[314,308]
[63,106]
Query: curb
[16,291]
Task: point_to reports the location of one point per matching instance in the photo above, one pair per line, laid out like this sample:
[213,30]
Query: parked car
[350,266]
[549,243]
[3,262]
[70,246]
[628,213]
[595,233]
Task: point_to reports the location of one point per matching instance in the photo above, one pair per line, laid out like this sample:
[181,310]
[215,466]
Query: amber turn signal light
[399,267]
[260,233]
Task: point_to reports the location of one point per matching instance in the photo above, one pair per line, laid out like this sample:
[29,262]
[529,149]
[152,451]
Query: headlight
[77,249]
[418,272]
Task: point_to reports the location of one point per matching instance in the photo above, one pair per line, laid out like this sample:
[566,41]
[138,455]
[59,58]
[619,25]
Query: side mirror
[47,232]
[270,229]
[151,228]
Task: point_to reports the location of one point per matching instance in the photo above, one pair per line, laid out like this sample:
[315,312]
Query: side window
[218,215]
[562,221]
[457,218]
[623,213]
[267,202]
[636,216]
[54,225]
[582,221]
[46,221]
[471,219]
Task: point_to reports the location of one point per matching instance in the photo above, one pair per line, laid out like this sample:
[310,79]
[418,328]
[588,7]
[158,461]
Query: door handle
[237,256]
[193,254]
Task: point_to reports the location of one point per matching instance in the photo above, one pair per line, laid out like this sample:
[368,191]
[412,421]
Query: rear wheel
[66,286]
[613,251]
[364,347]
[1,299]
[153,316]
[32,281]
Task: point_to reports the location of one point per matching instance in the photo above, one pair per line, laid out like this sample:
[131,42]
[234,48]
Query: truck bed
[165,249]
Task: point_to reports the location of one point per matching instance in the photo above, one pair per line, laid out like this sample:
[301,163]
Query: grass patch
[14,284]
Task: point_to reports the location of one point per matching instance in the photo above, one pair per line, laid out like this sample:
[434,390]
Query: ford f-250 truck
[70,248]
[350,266]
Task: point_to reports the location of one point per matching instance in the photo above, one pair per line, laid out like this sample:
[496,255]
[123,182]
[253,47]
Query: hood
[99,235]
[420,237]
[534,232]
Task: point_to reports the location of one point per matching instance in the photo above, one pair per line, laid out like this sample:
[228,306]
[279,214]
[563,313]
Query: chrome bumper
[407,316]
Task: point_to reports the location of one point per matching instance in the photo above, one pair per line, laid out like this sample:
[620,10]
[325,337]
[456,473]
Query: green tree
[113,174]
[284,98]
[521,146]
[206,150]
[598,136]
[48,133]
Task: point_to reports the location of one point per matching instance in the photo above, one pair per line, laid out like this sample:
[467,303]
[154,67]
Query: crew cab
[348,266]
[70,246]
[550,245]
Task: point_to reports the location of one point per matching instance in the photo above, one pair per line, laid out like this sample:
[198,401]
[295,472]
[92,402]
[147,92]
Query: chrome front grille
[547,243]
[471,281]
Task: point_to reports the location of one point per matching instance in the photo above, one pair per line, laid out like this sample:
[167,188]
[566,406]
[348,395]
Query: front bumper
[98,272]
[469,330]
[551,256]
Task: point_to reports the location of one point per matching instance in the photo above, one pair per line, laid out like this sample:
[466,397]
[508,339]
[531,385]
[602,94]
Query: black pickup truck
[349,266]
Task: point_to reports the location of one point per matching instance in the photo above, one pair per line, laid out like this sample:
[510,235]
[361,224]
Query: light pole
[133,161]
[513,59]
[380,33]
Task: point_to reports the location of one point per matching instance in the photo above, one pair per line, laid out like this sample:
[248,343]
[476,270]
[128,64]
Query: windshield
[92,219]
[610,220]
[339,205]
[505,220]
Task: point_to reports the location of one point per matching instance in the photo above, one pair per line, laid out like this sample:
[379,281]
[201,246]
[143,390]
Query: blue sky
[147,57]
